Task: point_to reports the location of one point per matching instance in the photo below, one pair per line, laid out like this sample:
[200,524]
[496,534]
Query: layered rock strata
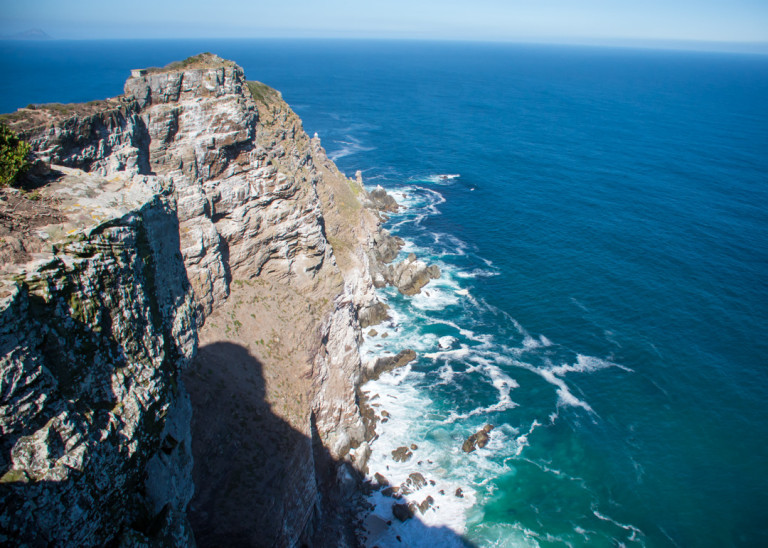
[192,211]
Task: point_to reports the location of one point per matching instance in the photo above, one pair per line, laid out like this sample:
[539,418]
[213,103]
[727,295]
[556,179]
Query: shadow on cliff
[259,481]
[96,356]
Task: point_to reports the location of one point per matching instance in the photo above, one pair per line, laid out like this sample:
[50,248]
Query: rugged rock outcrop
[378,366]
[193,208]
[379,199]
[409,275]
[478,439]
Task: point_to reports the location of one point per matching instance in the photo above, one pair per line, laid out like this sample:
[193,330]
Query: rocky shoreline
[182,314]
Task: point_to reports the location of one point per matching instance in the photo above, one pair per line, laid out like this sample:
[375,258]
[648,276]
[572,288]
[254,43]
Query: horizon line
[754,47]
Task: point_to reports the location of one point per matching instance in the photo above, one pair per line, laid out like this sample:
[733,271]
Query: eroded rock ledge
[192,212]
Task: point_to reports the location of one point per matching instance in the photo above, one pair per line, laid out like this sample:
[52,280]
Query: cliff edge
[193,212]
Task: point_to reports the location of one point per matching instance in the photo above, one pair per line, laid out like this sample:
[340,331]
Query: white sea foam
[634,532]
[419,203]
[521,442]
[565,397]
[404,403]
[477,273]
[503,383]
[585,364]
[435,297]
[348,147]
[447,341]
[447,244]
[458,354]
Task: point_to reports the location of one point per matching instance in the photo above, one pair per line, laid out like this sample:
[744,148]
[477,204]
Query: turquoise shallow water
[604,301]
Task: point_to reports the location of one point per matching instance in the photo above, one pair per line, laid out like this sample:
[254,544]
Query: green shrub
[14,156]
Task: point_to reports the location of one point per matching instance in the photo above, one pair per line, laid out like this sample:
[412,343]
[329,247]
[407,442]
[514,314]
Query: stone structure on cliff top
[180,323]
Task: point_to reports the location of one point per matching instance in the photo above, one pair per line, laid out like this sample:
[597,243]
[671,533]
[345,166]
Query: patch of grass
[262,92]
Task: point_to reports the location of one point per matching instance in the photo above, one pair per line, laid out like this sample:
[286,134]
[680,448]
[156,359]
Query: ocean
[604,255]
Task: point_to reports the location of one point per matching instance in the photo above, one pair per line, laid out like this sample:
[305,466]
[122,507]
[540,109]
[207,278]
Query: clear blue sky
[515,20]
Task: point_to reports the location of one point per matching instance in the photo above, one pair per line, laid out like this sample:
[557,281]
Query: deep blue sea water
[604,249]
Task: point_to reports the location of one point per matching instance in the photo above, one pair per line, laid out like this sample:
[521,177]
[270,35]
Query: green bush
[14,156]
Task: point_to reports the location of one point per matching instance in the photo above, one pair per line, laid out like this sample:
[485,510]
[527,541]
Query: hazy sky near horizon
[514,20]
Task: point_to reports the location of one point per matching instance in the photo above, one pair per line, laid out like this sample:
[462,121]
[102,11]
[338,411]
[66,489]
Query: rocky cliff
[193,211]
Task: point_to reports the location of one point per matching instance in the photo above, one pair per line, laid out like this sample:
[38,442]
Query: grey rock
[379,199]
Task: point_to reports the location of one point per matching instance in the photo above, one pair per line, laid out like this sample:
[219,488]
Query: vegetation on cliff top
[14,157]
[199,61]
[27,119]
[262,92]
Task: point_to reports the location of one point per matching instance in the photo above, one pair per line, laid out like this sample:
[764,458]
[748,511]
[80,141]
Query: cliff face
[93,336]
[193,208]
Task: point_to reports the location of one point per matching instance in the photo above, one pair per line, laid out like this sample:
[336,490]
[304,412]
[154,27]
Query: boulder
[393,492]
[376,367]
[414,482]
[386,247]
[410,275]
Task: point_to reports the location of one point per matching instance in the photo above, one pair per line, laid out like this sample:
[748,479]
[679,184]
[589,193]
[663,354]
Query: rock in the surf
[402,454]
[478,439]
[426,504]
